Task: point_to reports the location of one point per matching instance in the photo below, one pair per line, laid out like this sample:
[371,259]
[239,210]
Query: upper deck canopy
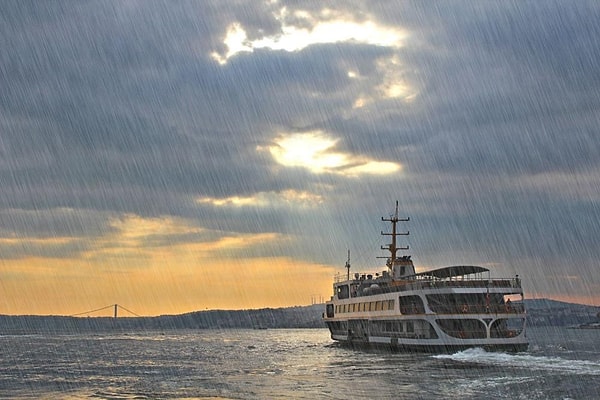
[455,270]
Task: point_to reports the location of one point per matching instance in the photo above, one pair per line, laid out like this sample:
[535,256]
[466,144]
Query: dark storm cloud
[104,98]
[512,87]
[503,87]
[90,92]
[125,77]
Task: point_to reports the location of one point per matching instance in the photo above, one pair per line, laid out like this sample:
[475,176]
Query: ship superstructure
[440,310]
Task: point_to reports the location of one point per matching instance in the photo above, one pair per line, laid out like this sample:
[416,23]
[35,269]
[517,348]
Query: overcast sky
[178,156]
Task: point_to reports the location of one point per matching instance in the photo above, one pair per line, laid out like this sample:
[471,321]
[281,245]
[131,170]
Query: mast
[348,266]
[393,247]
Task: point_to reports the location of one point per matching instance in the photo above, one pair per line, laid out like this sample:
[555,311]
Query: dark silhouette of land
[540,312]
[291,317]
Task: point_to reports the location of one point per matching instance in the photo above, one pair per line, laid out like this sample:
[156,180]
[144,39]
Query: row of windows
[388,328]
[382,305]
[392,326]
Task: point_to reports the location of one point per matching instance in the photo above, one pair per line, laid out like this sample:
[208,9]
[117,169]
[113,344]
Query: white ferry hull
[517,344]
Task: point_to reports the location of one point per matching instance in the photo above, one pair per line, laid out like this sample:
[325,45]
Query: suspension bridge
[114,307]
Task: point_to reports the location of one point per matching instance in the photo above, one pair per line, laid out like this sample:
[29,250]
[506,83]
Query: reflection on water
[305,364]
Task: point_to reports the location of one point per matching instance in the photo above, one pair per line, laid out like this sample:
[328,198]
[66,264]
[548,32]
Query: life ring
[465,308]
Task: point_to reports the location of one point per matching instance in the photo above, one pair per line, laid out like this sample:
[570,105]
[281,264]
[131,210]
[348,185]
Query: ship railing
[362,276]
[461,281]
[514,283]
[507,308]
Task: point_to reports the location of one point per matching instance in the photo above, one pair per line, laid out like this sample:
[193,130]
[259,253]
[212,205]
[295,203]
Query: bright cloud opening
[300,29]
[267,199]
[394,84]
[328,29]
[315,151]
[391,84]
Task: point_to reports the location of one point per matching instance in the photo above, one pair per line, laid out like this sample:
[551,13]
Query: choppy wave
[526,361]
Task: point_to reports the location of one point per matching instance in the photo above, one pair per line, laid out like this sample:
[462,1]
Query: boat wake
[524,361]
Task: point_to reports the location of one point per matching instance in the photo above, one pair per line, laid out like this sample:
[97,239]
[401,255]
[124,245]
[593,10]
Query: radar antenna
[348,266]
[393,247]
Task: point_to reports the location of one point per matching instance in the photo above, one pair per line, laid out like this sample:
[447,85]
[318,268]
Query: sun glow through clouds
[315,151]
[323,28]
[289,197]
[300,29]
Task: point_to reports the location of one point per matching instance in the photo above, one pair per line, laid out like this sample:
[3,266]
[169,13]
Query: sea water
[289,364]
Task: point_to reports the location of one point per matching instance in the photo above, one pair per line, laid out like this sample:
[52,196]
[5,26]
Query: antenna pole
[348,267]
[393,247]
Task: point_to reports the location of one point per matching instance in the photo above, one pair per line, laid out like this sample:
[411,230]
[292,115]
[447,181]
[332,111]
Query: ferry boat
[441,310]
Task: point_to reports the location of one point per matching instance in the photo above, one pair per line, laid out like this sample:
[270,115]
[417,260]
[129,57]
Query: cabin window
[378,306]
[411,305]
[463,328]
[343,292]
[329,310]
[464,303]
[415,329]
[506,328]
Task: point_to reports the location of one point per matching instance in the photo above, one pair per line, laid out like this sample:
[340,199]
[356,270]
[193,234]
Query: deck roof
[452,271]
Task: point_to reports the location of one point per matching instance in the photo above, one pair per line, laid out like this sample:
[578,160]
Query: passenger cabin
[402,270]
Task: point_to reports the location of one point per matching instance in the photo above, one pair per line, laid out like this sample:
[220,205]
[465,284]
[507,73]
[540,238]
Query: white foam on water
[487,383]
[525,361]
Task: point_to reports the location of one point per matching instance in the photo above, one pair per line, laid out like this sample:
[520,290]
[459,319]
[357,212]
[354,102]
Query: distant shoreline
[290,317]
